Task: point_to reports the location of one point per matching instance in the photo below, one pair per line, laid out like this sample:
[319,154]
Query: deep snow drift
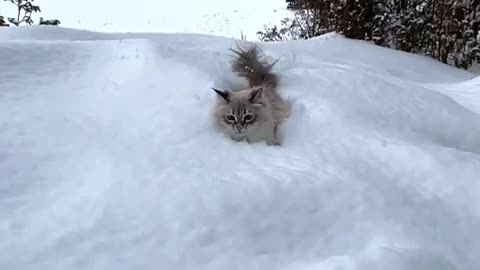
[108,159]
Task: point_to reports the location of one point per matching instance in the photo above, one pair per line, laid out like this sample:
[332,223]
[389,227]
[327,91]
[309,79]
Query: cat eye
[231,118]
[248,118]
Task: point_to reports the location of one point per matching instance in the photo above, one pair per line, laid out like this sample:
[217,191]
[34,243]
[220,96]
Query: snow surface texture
[215,17]
[108,158]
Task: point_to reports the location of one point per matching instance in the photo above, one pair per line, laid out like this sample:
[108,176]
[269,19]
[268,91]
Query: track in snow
[108,158]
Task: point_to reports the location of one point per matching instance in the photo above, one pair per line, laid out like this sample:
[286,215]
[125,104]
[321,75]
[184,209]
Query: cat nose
[239,129]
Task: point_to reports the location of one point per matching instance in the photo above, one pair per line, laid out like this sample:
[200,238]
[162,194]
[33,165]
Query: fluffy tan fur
[252,114]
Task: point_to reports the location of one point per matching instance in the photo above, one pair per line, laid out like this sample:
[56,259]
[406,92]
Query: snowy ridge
[108,159]
[465,93]
[214,17]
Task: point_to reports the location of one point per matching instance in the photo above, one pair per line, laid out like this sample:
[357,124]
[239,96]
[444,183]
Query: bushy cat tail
[250,64]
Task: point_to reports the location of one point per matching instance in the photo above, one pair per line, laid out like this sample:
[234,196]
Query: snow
[108,158]
[465,93]
[215,17]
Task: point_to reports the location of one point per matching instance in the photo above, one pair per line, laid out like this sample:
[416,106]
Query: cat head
[237,111]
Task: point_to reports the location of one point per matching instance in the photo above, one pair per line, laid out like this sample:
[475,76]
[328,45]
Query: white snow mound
[108,159]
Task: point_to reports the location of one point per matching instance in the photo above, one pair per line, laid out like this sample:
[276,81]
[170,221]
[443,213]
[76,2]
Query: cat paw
[274,143]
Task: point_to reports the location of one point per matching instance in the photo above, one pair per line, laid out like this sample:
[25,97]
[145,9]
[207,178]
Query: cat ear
[256,95]
[223,94]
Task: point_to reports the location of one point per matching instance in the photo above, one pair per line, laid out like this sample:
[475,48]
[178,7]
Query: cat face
[239,111]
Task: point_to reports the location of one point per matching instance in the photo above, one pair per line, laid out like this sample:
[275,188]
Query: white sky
[219,17]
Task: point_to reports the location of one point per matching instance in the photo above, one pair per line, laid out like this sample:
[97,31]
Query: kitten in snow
[252,114]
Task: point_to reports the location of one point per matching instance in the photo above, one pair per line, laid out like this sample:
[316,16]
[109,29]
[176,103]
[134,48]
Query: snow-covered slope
[466,93]
[108,159]
[215,17]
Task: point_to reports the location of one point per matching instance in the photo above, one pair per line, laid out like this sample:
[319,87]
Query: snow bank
[465,93]
[108,159]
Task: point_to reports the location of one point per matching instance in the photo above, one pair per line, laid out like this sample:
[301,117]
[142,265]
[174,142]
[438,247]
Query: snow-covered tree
[311,18]
[354,18]
[25,8]
[293,4]
[447,30]
[3,23]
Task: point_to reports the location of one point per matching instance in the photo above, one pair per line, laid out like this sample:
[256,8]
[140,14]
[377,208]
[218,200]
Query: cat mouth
[239,133]
[239,130]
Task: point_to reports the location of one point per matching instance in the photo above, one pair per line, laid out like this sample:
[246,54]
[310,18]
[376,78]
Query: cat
[252,114]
